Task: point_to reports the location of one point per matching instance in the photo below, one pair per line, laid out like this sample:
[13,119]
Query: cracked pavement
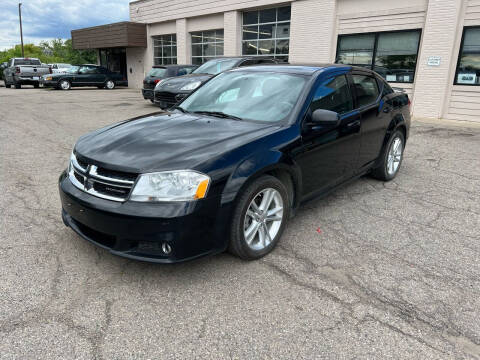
[374,270]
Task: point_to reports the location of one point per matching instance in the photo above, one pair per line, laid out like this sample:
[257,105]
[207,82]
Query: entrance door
[114,59]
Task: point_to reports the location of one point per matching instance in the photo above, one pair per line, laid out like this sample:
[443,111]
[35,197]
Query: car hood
[167,141]
[176,83]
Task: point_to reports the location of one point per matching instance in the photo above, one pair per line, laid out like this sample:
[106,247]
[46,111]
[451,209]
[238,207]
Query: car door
[329,153]
[375,116]
[81,78]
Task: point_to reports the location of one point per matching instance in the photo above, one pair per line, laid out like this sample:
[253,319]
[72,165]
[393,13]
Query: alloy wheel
[110,84]
[263,219]
[394,156]
[65,85]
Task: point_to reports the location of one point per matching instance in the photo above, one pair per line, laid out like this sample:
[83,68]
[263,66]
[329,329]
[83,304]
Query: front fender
[257,165]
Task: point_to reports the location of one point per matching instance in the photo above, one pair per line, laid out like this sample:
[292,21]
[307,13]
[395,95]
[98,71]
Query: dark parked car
[170,92]
[160,72]
[84,75]
[227,167]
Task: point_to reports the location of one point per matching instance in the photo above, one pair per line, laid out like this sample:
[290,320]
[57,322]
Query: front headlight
[191,86]
[181,185]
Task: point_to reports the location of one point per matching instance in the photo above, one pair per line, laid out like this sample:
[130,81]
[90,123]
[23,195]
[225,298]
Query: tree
[54,51]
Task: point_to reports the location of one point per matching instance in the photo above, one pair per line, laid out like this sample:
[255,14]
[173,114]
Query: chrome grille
[100,182]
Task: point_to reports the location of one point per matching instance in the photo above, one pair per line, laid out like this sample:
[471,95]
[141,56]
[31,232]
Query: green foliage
[54,51]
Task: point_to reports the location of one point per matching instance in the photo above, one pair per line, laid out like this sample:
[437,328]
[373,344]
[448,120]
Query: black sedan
[84,75]
[171,91]
[228,167]
[160,72]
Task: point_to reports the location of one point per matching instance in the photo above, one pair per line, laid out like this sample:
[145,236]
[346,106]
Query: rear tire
[391,158]
[7,85]
[18,86]
[259,218]
[64,85]
[109,84]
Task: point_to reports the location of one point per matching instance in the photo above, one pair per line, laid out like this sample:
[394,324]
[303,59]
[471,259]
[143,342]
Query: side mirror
[325,117]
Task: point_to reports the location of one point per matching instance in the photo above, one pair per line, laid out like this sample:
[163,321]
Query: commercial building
[429,48]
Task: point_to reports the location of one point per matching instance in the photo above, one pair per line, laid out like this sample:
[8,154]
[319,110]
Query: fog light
[166,248]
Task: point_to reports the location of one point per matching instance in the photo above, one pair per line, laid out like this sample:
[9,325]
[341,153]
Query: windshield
[259,96]
[27,62]
[72,69]
[216,66]
[157,72]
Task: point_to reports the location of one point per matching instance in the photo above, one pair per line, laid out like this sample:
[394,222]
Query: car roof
[172,66]
[303,69]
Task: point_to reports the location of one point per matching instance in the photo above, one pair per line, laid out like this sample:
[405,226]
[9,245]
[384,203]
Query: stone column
[184,46]
[439,34]
[312,31]
[232,28]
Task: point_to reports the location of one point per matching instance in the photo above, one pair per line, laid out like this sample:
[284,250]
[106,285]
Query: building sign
[434,60]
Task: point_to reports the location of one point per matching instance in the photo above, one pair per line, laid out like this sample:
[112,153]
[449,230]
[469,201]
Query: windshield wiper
[181,109]
[218,114]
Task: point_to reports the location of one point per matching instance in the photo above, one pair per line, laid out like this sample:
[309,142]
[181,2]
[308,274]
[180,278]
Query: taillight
[17,70]
[156,81]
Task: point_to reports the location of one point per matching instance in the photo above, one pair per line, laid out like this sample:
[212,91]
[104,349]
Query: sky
[53,19]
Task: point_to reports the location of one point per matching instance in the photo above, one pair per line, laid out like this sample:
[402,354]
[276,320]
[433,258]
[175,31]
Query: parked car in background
[84,75]
[24,71]
[168,93]
[160,72]
[59,68]
[226,167]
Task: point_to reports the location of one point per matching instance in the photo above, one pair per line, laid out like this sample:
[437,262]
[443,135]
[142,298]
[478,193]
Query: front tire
[391,158]
[17,85]
[110,85]
[259,218]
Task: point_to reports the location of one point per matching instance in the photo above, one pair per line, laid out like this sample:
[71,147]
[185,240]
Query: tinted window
[391,54]
[386,89]
[267,32]
[88,70]
[468,72]
[165,49]
[261,96]
[206,45]
[216,66]
[334,95]
[157,72]
[27,62]
[366,89]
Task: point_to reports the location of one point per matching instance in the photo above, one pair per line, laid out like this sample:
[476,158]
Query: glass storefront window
[468,69]
[393,55]
[267,33]
[206,45]
[165,49]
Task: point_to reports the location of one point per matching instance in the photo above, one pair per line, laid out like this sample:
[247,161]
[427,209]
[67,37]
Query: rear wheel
[391,158]
[7,84]
[64,85]
[17,85]
[259,218]
[110,85]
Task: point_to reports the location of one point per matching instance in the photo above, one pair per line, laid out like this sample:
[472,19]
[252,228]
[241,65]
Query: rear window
[157,72]
[27,62]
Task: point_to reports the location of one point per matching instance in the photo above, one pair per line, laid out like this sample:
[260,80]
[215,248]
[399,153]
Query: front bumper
[138,230]
[148,94]
[48,83]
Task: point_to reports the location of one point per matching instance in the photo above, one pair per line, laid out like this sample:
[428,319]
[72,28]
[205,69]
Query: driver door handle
[354,123]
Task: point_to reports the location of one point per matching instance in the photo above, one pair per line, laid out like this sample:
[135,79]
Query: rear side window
[334,95]
[366,88]
[27,62]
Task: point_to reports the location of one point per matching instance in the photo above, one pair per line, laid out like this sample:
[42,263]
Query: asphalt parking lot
[374,270]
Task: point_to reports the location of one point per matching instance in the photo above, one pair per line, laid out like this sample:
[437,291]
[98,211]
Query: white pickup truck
[24,71]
